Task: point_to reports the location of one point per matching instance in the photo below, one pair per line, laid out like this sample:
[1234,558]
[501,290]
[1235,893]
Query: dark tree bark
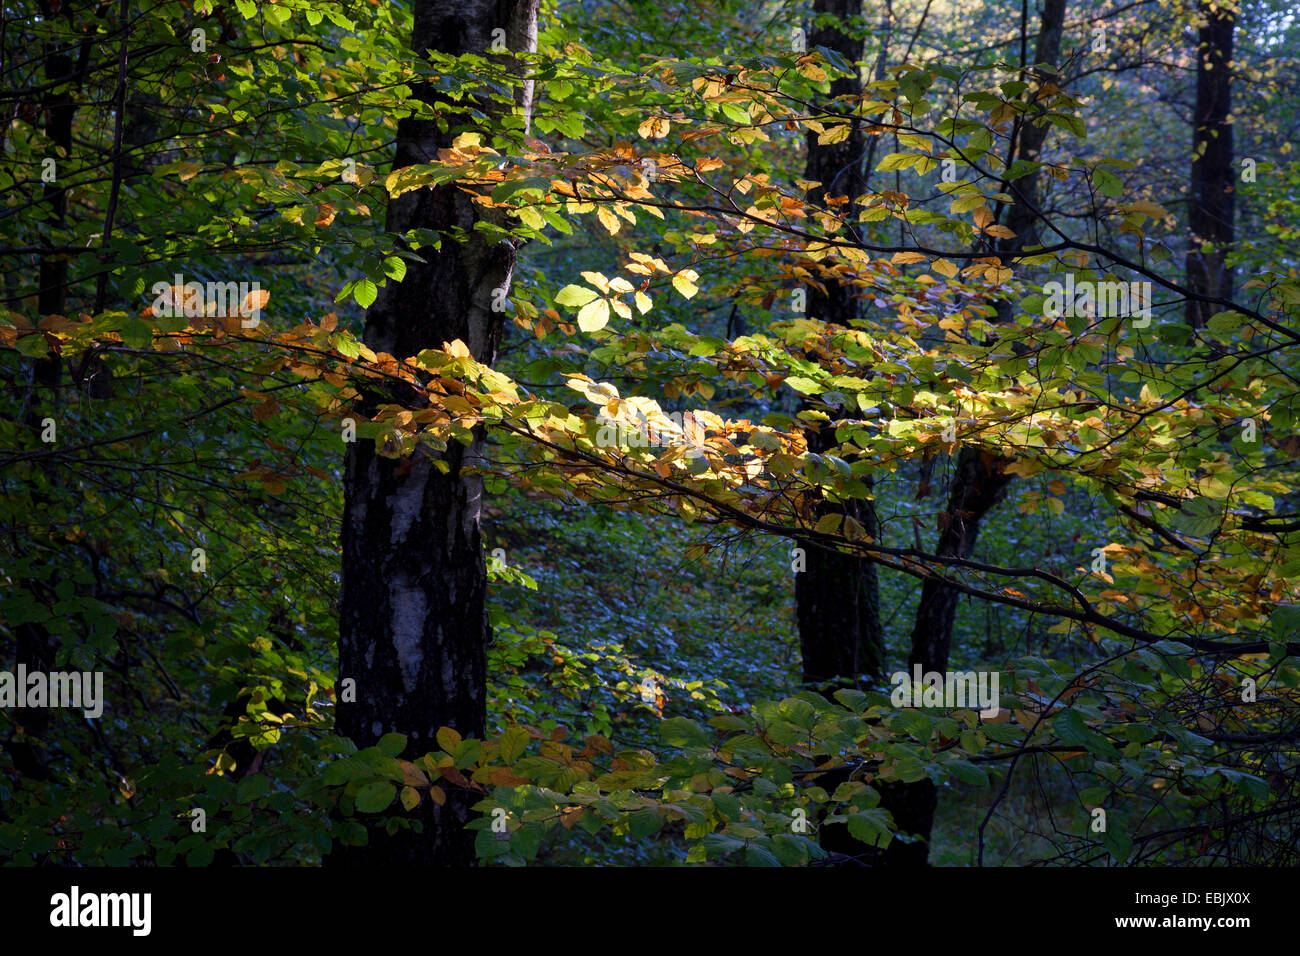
[838,595]
[978,482]
[1211,213]
[36,647]
[413,627]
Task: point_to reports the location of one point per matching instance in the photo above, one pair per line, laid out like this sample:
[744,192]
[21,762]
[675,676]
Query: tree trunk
[1210,216]
[413,626]
[36,647]
[978,482]
[837,595]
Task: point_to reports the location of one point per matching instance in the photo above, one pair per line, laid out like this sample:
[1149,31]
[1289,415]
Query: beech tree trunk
[36,647]
[837,595]
[1212,209]
[978,481]
[413,626]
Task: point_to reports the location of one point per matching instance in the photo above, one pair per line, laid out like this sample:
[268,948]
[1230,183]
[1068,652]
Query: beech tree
[413,628]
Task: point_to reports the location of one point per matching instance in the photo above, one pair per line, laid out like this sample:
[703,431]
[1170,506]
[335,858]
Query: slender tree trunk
[1211,213]
[36,647]
[978,483]
[838,596]
[413,627]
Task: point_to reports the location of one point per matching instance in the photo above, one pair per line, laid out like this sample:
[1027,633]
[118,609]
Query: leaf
[135,334]
[448,739]
[574,295]
[683,732]
[513,743]
[805,386]
[410,798]
[1225,323]
[254,301]
[1146,208]
[684,282]
[655,127]
[1108,184]
[364,292]
[594,315]
[871,827]
[944,268]
[390,745]
[608,220]
[809,68]
[252,787]
[375,797]
[412,775]
[828,524]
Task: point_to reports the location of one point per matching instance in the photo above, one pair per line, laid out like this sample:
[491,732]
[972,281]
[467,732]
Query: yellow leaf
[836,134]
[944,268]
[967,202]
[904,258]
[594,315]
[684,282]
[254,301]
[828,524]
[410,798]
[655,127]
[598,280]
[809,68]
[608,220]
[1154,210]
[412,775]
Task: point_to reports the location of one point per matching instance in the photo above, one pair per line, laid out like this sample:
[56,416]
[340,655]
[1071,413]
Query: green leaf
[390,745]
[136,334]
[364,292]
[375,797]
[871,827]
[252,787]
[514,741]
[1108,184]
[683,732]
[575,295]
[805,386]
